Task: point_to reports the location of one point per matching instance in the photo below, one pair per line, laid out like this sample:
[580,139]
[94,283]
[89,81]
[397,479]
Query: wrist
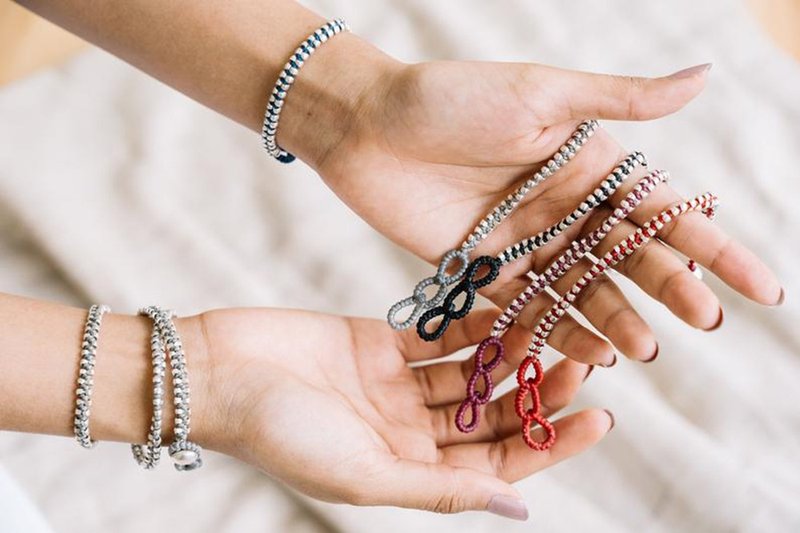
[333,98]
[122,403]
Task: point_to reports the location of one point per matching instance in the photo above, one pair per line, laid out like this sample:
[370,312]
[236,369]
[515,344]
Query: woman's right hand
[432,147]
[330,406]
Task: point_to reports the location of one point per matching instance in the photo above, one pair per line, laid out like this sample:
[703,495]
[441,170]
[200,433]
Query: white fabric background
[114,188]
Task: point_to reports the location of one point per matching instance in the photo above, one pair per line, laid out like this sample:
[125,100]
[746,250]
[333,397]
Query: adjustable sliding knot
[482,370]
[468,286]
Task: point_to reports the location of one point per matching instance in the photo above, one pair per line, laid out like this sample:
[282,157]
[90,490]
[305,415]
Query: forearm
[39,367]
[227,55]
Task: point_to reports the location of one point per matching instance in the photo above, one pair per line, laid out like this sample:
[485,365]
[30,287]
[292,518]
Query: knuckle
[445,504]
[669,286]
[467,368]
[633,262]
[721,253]
[450,500]
[630,89]
[496,422]
[498,457]
[601,282]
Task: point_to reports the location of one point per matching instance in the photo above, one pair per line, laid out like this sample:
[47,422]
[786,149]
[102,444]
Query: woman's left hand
[331,406]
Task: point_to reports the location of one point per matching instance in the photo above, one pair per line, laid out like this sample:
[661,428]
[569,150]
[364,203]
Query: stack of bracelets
[165,346]
[465,279]
[530,373]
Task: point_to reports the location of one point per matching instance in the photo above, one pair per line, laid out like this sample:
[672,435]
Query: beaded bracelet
[273,112]
[528,386]
[184,453]
[83,401]
[539,283]
[469,285]
[569,258]
[420,302]
[149,455]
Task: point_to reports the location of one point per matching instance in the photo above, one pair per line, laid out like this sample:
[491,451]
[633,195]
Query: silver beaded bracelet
[184,453]
[285,81]
[149,455]
[83,401]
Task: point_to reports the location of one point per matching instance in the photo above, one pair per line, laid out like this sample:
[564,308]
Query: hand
[330,406]
[435,146]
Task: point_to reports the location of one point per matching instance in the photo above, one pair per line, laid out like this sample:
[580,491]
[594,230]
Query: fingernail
[781,298]
[691,71]
[719,321]
[591,367]
[611,416]
[508,506]
[612,363]
[652,357]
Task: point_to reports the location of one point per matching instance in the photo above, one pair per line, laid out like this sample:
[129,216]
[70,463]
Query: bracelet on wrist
[166,349]
[286,78]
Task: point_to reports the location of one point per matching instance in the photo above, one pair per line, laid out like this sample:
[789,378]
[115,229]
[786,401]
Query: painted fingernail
[781,298]
[612,363]
[719,321]
[652,357]
[691,71]
[589,371]
[508,506]
[611,417]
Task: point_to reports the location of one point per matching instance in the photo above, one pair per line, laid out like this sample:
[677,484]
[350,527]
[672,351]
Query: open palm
[445,142]
[331,406]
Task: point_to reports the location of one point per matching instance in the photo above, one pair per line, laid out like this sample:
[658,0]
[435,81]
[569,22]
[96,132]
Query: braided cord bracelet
[272,114]
[469,285]
[83,393]
[184,453]
[578,249]
[474,399]
[528,386]
[149,455]
[442,280]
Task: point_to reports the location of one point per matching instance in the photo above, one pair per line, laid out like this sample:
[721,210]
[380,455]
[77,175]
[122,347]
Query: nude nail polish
[719,321]
[612,363]
[508,506]
[691,71]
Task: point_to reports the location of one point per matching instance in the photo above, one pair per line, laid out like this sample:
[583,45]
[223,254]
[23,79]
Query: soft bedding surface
[114,188]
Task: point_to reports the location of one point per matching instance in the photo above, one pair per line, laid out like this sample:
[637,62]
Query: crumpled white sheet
[114,188]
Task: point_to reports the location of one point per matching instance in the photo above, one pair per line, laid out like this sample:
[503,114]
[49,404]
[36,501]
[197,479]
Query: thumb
[583,95]
[447,489]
